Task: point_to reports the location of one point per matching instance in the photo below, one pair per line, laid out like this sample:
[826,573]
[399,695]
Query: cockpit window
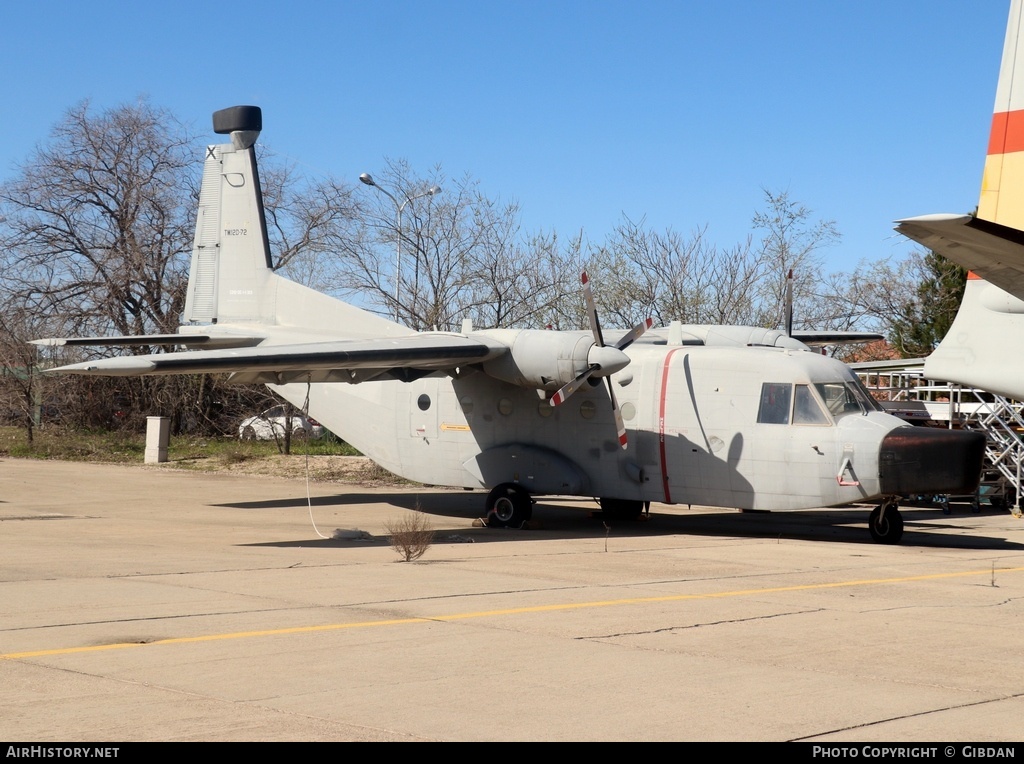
[844,398]
[864,396]
[806,409]
[775,403]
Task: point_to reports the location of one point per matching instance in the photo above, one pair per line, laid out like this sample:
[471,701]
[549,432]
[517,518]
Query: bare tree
[791,240]
[21,386]
[671,277]
[96,232]
[96,226]
[308,222]
[434,259]
[97,223]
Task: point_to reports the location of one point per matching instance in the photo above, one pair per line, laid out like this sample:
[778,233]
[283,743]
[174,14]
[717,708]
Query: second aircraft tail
[990,244]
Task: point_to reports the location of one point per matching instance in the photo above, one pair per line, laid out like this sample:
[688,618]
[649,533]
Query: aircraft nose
[924,460]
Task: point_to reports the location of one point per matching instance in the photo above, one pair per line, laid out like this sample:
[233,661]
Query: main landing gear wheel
[621,509]
[508,506]
[886,527]
[249,433]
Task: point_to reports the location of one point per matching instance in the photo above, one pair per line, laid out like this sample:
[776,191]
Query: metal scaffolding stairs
[999,420]
[905,393]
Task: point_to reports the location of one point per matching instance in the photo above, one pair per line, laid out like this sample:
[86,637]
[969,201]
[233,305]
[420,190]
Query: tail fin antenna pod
[231,263]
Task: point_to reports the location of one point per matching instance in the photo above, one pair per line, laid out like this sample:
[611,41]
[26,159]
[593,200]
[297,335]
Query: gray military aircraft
[724,416]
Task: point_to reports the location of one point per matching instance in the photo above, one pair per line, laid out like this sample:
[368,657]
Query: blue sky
[680,112]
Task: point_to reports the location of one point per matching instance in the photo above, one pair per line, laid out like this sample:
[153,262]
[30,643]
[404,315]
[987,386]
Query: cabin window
[775,400]
[806,409]
[423,402]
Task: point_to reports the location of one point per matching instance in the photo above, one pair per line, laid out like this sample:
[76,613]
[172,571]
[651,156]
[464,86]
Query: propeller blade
[620,426]
[569,388]
[634,334]
[595,325]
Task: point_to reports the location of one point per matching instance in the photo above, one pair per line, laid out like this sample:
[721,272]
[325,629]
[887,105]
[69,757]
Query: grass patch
[52,442]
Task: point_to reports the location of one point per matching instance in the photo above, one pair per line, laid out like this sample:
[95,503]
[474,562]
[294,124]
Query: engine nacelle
[540,359]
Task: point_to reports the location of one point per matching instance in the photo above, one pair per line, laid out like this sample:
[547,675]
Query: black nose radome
[913,460]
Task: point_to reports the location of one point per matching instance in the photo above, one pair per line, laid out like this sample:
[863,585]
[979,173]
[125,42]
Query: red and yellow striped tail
[1002,185]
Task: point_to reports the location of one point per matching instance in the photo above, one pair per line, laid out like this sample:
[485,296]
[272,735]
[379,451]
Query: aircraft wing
[994,252]
[824,337]
[899,364]
[341,361]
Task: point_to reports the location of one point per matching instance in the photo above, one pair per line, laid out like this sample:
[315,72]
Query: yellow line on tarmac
[508,611]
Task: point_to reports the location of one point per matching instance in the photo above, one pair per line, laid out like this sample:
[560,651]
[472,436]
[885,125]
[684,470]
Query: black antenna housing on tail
[237,118]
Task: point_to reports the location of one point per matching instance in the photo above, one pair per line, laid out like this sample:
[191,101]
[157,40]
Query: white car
[270,425]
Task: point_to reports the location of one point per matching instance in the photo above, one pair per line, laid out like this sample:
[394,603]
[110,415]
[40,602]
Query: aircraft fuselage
[748,428]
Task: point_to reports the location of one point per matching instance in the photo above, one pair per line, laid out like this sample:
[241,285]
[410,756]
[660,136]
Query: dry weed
[411,535]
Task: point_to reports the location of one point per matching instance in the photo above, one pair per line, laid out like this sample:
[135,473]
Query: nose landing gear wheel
[508,506]
[886,526]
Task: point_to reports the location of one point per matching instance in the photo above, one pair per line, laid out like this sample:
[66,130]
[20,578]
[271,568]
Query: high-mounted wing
[823,337]
[339,361]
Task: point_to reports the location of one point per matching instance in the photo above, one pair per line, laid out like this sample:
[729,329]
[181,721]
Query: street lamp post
[400,208]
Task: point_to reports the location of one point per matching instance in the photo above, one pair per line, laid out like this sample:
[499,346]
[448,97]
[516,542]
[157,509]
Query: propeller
[603,358]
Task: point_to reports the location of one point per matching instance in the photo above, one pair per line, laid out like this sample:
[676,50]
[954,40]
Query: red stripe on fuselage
[661,423]
[1007,133]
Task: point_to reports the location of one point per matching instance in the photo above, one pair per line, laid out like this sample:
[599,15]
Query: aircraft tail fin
[231,262]
[990,244]
[978,348]
[1002,186]
[231,280]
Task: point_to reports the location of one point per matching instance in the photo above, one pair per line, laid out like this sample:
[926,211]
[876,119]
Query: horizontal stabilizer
[183,340]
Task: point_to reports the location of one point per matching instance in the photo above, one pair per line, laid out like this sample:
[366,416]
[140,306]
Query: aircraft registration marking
[555,607]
